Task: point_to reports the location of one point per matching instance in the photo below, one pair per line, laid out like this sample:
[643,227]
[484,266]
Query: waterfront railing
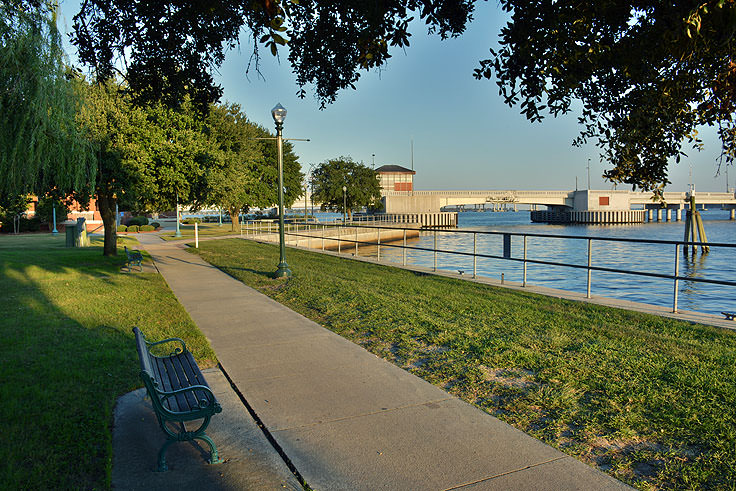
[348,240]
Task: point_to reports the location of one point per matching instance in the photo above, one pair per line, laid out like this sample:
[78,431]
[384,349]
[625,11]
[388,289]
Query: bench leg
[214,456]
[162,467]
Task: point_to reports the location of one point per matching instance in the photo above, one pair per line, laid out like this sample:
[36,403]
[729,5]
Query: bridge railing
[349,242]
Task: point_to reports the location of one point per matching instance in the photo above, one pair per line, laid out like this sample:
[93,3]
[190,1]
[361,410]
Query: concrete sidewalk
[345,418]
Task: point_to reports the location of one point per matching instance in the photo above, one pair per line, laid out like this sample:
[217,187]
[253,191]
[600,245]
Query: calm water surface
[719,264]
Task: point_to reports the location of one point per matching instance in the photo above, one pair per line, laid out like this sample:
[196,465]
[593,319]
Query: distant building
[395,178]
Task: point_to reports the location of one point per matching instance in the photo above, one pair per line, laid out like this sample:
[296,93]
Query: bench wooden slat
[181,399]
[162,377]
[194,375]
[184,381]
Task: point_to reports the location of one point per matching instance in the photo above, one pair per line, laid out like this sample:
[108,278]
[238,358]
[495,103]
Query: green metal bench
[179,394]
[135,258]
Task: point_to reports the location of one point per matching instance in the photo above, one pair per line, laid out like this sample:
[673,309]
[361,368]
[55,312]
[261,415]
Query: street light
[344,202]
[279,114]
[178,232]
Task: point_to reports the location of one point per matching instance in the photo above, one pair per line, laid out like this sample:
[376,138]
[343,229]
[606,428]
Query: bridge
[585,206]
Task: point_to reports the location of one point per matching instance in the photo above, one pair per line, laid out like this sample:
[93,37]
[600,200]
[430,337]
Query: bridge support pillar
[659,214]
[678,214]
[668,215]
[733,214]
[649,215]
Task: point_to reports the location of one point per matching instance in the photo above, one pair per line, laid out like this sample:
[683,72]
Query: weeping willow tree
[41,147]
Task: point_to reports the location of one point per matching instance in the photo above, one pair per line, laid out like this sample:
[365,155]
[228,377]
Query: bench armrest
[170,340]
[208,402]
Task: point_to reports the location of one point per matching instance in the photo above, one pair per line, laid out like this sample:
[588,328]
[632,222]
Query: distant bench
[178,392]
[729,315]
[135,258]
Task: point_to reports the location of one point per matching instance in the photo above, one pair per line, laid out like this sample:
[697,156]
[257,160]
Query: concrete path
[345,418]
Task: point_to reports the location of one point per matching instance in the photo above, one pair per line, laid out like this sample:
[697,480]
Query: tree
[242,172]
[40,146]
[362,186]
[647,73]
[147,157]
[172,47]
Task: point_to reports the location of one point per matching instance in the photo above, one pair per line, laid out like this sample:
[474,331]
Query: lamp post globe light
[344,203]
[279,114]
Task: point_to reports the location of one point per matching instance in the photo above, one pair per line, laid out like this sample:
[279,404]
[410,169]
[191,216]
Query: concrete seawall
[341,238]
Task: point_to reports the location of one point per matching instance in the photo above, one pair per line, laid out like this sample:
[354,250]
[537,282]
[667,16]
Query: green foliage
[45,209]
[147,228]
[362,187]
[141,220]
[155,225]
[241,172]
[191,220]
[133,228]
[647,75]
[329,43]
[40,145]
[122,228]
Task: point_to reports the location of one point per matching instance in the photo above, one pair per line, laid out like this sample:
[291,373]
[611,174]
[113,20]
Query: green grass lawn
[648,400]
[68,352]
[205,230]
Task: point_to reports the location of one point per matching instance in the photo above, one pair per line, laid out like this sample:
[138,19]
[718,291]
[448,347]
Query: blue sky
[464,136]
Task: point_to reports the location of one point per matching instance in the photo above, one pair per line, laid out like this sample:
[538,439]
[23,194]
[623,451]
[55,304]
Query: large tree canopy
[648,74]
[169,48]
[360,183]
[241,171]
[40,145]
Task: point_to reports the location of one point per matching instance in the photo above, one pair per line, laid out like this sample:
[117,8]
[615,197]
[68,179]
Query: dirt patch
[509,377]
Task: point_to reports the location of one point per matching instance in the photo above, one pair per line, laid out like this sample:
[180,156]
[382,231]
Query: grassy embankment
[204,230]
[68,352]
[646,399]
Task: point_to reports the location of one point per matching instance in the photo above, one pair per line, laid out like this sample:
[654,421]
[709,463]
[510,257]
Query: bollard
[502,278]
[196,235]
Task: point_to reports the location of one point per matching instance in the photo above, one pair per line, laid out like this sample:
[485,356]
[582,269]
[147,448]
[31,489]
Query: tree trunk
[235,218]
[106,205]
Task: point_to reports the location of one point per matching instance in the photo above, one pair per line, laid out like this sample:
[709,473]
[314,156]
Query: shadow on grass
[67,353]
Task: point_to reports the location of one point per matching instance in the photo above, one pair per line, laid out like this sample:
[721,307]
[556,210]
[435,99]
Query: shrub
[45,209]
[191,220]
[147,228]
[155,225]
[138,221]
[133,228]
[122,228]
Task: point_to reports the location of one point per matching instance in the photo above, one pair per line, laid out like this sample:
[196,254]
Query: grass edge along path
[66,318]
[646,399]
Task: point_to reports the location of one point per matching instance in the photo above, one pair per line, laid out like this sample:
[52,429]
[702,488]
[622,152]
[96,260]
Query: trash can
[71,233]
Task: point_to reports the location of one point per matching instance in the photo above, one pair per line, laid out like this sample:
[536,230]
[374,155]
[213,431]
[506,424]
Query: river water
[719,264]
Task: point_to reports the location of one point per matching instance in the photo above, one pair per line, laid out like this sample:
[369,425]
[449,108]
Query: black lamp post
[344,203]
[279,114]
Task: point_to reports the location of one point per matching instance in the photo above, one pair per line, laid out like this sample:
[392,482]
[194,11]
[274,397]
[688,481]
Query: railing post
[523,282]
[323,237]
[590,253]
[434,268]
[379,244]
[677,273]
[475,257]
[356,241]
[403,251]
[339,243]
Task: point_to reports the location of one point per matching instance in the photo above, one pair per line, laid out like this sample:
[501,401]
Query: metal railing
[337,234]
